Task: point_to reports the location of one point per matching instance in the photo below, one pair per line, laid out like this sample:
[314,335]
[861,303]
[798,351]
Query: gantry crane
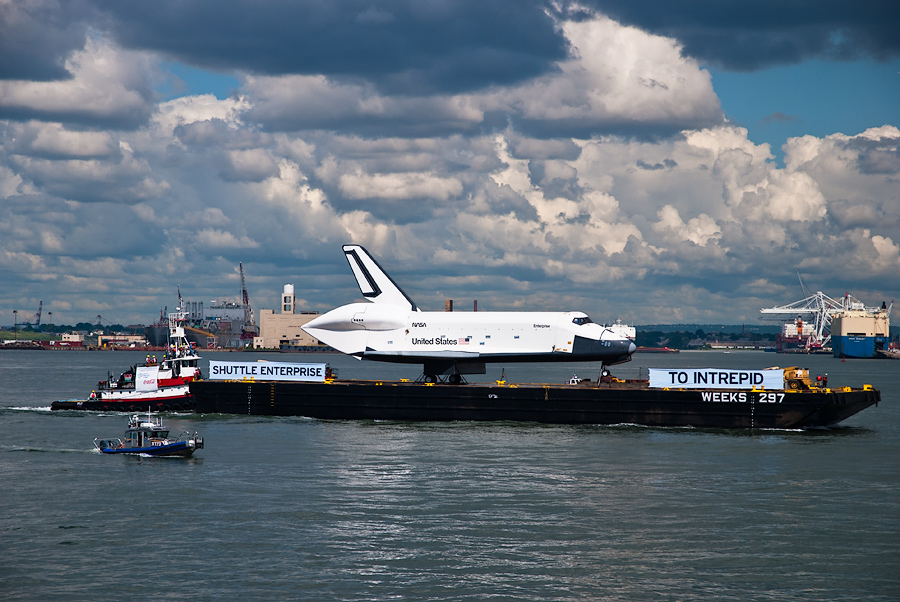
[249,329]
[34,321]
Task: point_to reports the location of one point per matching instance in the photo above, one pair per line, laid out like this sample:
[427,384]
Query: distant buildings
[283,330]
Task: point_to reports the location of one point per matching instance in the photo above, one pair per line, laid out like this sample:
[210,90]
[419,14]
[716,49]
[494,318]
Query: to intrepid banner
[714,378]
[266,371]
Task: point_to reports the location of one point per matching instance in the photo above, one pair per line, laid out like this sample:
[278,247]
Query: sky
[657,162]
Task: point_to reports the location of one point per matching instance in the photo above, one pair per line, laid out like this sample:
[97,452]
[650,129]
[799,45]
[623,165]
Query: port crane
[101,322]
[249,329]
[817,309]
[34,321]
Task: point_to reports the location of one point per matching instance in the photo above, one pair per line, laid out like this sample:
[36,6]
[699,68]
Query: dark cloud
[864,214]
[876,155]
[411,47]
[531,148]
[118,179]
[85,230]
[502,200]
[584,127]
[37,36]
[403,46]
[84,116]
[741,35]
[554,182]
[216,133]
[666,164]
[43,141]
[296,102]
[779,117]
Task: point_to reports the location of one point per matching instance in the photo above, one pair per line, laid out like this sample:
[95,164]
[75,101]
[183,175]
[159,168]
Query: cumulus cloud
[599,173]
[617,79]
[402,47]
[765,33]
[317,102]
[888,253]
[203,108]
[53,140]
[121,178]
[220,239]
[618,76]
[412,48]
[253,165]
[36,36]
[857,173]
[406,186]
[699,230]
[106,86]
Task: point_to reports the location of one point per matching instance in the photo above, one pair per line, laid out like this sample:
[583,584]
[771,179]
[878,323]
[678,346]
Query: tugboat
[150,438]
[162,385]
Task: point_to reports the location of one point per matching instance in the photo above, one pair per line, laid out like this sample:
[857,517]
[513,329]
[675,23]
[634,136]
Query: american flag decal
[464,341]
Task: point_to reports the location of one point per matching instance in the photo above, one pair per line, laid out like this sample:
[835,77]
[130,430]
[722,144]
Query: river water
[292,508]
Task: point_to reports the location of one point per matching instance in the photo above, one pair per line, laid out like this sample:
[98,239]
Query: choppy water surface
[290,508]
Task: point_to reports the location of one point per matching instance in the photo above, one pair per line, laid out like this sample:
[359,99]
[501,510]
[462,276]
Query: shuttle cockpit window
[580,321]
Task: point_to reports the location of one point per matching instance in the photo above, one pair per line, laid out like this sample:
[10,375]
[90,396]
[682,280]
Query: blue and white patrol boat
[150,438]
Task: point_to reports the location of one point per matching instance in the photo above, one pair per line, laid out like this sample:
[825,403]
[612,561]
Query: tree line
[682,339]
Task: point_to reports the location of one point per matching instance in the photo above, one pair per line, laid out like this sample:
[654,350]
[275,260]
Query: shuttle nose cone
[316,323]
[337,319]
[631,348]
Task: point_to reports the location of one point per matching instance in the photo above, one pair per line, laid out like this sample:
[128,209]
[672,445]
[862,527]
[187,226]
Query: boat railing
[189,436]
[102,444]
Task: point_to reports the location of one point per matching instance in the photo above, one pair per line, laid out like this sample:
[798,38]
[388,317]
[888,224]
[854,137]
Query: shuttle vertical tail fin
[373,281]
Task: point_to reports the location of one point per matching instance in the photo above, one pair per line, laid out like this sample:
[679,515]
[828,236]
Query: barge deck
[617,402]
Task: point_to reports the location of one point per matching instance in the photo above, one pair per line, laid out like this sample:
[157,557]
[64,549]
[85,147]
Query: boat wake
[14,448]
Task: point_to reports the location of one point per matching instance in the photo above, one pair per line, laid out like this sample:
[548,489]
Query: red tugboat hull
[171,403]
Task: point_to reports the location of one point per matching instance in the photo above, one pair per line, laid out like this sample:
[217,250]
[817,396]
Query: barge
[798,404]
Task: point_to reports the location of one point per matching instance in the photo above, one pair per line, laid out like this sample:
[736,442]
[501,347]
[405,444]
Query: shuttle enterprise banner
[266,371]
[713,378]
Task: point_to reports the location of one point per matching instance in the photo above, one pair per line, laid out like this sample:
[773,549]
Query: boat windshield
[583,320]
[159,434]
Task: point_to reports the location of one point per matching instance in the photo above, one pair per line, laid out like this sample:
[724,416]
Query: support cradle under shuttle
[391,328]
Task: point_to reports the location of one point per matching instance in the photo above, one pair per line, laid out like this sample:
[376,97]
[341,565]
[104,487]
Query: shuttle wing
[373,281]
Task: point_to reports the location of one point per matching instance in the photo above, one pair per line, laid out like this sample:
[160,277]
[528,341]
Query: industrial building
[282,330]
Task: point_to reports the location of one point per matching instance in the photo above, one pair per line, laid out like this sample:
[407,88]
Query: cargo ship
[845,327]
[798,336]
[858,331]
[702,398]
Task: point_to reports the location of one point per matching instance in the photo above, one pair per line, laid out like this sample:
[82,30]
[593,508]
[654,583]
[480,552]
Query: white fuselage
[398,334]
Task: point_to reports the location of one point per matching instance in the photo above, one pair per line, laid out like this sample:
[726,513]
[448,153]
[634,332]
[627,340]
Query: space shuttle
[390,327]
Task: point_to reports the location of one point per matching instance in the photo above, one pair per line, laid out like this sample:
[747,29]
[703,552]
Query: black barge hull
[613,404]
[184,404]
